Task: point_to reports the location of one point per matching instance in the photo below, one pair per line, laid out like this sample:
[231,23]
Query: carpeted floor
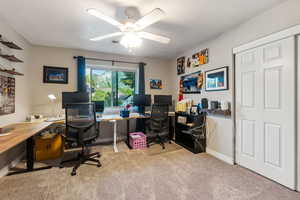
[152,174]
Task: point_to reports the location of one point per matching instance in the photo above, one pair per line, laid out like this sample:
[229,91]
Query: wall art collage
[213,80]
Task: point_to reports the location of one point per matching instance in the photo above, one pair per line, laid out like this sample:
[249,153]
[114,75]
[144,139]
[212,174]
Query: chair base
[158,140]
[82,159]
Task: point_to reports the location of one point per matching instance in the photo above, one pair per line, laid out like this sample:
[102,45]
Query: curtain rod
[119,61]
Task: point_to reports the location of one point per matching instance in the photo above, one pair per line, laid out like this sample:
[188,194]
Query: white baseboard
[4,171]
[220,156]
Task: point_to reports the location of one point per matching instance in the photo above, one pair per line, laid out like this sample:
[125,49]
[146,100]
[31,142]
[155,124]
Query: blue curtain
[141,78]
[81,82]
[140,123]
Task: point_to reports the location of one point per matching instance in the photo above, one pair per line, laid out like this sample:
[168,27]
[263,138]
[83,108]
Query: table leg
[128,131]
[29,154]
[171,128]
[29,159]
[115,135]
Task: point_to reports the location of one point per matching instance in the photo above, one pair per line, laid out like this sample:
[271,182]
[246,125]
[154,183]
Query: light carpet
[151,174]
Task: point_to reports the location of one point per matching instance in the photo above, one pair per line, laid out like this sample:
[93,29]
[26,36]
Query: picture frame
[57,75]
[200,58]
[217,79]
[180,65]
[155,84]
[192,83]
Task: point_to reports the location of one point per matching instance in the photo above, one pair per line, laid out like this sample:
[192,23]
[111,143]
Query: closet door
[265,110]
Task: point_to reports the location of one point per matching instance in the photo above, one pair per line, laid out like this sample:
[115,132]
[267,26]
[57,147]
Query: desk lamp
[52,98]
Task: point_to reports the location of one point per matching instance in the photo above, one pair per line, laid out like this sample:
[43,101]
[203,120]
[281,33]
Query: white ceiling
[65,23]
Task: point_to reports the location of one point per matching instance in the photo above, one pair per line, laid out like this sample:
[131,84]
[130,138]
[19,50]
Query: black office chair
[198,132]
[157,127]
[81,129]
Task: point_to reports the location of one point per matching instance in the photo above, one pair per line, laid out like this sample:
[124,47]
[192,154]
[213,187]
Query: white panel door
[265,110]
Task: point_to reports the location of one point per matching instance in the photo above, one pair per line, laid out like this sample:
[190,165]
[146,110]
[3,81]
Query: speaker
[204,103]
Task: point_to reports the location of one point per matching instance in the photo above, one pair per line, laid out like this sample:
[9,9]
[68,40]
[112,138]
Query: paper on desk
[135,136]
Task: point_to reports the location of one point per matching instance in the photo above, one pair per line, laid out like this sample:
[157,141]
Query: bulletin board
[7,95]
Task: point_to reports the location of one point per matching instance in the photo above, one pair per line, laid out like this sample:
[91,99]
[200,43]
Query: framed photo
[155,84]
[192,83]
[55,75]
[180,65]
[217,79]
[200,58]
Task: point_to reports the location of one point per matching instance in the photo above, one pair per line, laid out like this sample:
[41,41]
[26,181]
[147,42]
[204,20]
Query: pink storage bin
[138,140]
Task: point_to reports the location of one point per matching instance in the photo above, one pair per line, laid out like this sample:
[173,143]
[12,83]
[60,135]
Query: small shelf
[220,112]
[11,58]
[10,44]
[12,72]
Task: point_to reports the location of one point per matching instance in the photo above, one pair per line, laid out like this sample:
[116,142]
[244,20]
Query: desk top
[19,133]
[22,131]
[118,117]
[131,116]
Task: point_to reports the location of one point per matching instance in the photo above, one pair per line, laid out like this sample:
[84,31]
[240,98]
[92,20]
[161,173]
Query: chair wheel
[61,166]
[170,142]
[73,173]
[98,155]
[99,165]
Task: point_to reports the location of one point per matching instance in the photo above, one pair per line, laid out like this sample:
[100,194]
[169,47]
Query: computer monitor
[99,106]
[74,97]
[163,99]
[142,100]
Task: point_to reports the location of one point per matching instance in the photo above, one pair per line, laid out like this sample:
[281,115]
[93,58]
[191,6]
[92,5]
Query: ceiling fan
[132,30]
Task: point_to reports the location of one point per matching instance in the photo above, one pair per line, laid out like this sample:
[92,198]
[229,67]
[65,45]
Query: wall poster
[7,95]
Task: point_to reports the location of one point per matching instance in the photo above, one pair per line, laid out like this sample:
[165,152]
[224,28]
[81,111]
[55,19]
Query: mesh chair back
[81,122]
[159,117]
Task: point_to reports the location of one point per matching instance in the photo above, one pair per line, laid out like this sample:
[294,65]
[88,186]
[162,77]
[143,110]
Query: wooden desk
[19,133]
[23,132]
[114,118]
[117,117]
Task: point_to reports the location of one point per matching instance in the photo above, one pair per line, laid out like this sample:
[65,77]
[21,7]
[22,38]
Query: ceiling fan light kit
[131,40]
[131,30]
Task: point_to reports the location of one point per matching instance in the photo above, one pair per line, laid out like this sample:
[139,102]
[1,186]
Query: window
[114,87]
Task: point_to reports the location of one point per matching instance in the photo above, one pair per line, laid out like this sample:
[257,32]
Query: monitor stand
[141,110]
[140,123]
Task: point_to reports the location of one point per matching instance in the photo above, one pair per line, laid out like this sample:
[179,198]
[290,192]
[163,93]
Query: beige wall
[221,135]
[61,57]
[22,90]
[40,56]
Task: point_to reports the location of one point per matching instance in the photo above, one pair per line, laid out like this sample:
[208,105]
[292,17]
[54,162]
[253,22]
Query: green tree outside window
[115,88]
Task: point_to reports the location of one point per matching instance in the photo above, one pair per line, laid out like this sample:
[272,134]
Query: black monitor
[163,99]
[99,106]
[74,97]
[142,100]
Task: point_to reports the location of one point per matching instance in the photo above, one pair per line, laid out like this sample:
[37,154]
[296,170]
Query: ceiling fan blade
[151,18]
[106,36]
[104,17]
[154,37]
